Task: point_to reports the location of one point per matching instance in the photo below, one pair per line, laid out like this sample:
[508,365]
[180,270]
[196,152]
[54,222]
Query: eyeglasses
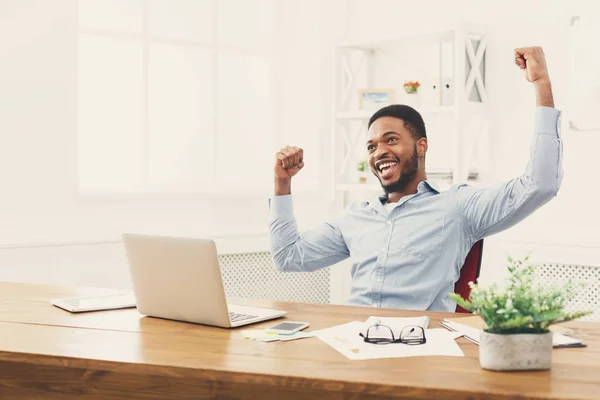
[411,335]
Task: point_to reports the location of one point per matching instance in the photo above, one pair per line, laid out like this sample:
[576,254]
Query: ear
[422,147]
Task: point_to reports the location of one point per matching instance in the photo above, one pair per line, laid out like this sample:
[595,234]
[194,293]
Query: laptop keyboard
[237,317]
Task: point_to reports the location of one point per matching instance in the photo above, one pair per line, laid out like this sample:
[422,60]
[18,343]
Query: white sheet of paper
[256,334]
[345,339]
[468,332]
[263,336]
[456,335]
[273,339]
[295,336]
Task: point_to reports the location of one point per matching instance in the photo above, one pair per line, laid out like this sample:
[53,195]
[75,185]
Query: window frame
[185,191]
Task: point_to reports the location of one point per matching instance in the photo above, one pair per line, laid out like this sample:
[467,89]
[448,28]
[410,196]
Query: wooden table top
[32,331]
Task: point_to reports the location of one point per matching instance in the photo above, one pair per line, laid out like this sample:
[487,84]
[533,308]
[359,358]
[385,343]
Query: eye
[392,140]
[370,147]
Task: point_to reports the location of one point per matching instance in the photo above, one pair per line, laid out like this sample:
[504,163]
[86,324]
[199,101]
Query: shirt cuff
[281,208]
[547,121]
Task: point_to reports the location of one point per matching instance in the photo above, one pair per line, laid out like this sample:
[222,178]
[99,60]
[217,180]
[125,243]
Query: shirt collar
[378,201]
[432,185]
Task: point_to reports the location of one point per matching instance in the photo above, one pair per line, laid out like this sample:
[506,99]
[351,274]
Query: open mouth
[386,168]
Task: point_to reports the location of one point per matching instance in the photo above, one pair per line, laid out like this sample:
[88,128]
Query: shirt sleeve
[310,251]
[492,210]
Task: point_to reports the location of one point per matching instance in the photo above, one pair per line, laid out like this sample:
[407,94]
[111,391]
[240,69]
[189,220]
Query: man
[408,246]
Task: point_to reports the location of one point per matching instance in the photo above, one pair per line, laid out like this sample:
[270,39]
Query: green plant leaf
[523,305]
[570,317]
[466,304]
[516,323]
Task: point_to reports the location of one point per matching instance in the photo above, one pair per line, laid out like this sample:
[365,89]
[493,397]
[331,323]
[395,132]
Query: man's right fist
[533,61]
[288,161]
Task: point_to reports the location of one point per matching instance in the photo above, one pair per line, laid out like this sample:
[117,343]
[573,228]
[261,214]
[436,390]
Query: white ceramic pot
[525,351]
[362,176]
[412,99]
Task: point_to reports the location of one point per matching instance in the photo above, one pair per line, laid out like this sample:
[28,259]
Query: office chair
[469,273]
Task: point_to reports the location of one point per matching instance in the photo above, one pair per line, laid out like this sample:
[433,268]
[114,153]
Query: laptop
[180,279]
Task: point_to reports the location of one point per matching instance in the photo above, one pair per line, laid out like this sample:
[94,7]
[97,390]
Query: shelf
[358,114]
[434,175]
[373,64]
[359,187]
[437,174]
[366,114]
[425,37]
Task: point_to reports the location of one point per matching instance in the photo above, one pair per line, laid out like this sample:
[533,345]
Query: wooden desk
[48,353]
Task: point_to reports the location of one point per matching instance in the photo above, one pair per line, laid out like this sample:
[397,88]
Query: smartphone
[287,328]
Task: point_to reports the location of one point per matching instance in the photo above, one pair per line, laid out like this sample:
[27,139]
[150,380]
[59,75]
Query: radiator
[253,276]
[588,298]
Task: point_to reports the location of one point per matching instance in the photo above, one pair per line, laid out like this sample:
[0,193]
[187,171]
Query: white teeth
[387,165]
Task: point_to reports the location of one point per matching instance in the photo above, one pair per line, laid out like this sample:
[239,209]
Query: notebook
[471,328]
[476,321]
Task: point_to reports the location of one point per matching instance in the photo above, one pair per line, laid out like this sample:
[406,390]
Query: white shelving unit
[456,121]
[442,178]
[366,114]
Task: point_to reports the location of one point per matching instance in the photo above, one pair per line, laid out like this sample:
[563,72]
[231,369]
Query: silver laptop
[180,279]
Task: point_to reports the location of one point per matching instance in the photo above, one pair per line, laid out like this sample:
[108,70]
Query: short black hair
[411,117]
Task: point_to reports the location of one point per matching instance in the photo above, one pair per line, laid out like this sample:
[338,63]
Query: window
[183,96]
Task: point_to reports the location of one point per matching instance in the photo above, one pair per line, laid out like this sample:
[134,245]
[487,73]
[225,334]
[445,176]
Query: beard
[408,172]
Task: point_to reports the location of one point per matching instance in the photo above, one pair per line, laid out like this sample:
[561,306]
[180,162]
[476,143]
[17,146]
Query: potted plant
[362,171]
[518,317]
[411,87]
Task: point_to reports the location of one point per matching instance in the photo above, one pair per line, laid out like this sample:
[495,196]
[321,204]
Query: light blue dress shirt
[411,257]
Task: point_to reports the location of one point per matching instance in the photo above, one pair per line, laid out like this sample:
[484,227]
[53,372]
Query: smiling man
[408,245]
[397,146]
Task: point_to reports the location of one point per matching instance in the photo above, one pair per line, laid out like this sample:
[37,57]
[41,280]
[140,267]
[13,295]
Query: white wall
[39,203]
[570,221]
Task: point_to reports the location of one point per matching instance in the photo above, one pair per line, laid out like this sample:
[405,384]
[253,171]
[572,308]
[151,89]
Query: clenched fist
[533,61]
[288,162]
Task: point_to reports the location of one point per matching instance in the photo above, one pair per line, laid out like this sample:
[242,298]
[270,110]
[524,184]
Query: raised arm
[292,251]
[489,211]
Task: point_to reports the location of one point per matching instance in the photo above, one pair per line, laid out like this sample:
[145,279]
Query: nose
[381,151]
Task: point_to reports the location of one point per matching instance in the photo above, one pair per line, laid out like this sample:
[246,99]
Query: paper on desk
[473,334]
[294,336]
[259,334]
[468,332]
[263,336]
[456,335]
[345,339]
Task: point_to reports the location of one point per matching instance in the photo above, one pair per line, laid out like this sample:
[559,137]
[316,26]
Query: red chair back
[469,273]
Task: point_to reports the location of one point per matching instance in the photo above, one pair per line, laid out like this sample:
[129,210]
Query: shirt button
[379,279]
[374,305]
[389,222]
